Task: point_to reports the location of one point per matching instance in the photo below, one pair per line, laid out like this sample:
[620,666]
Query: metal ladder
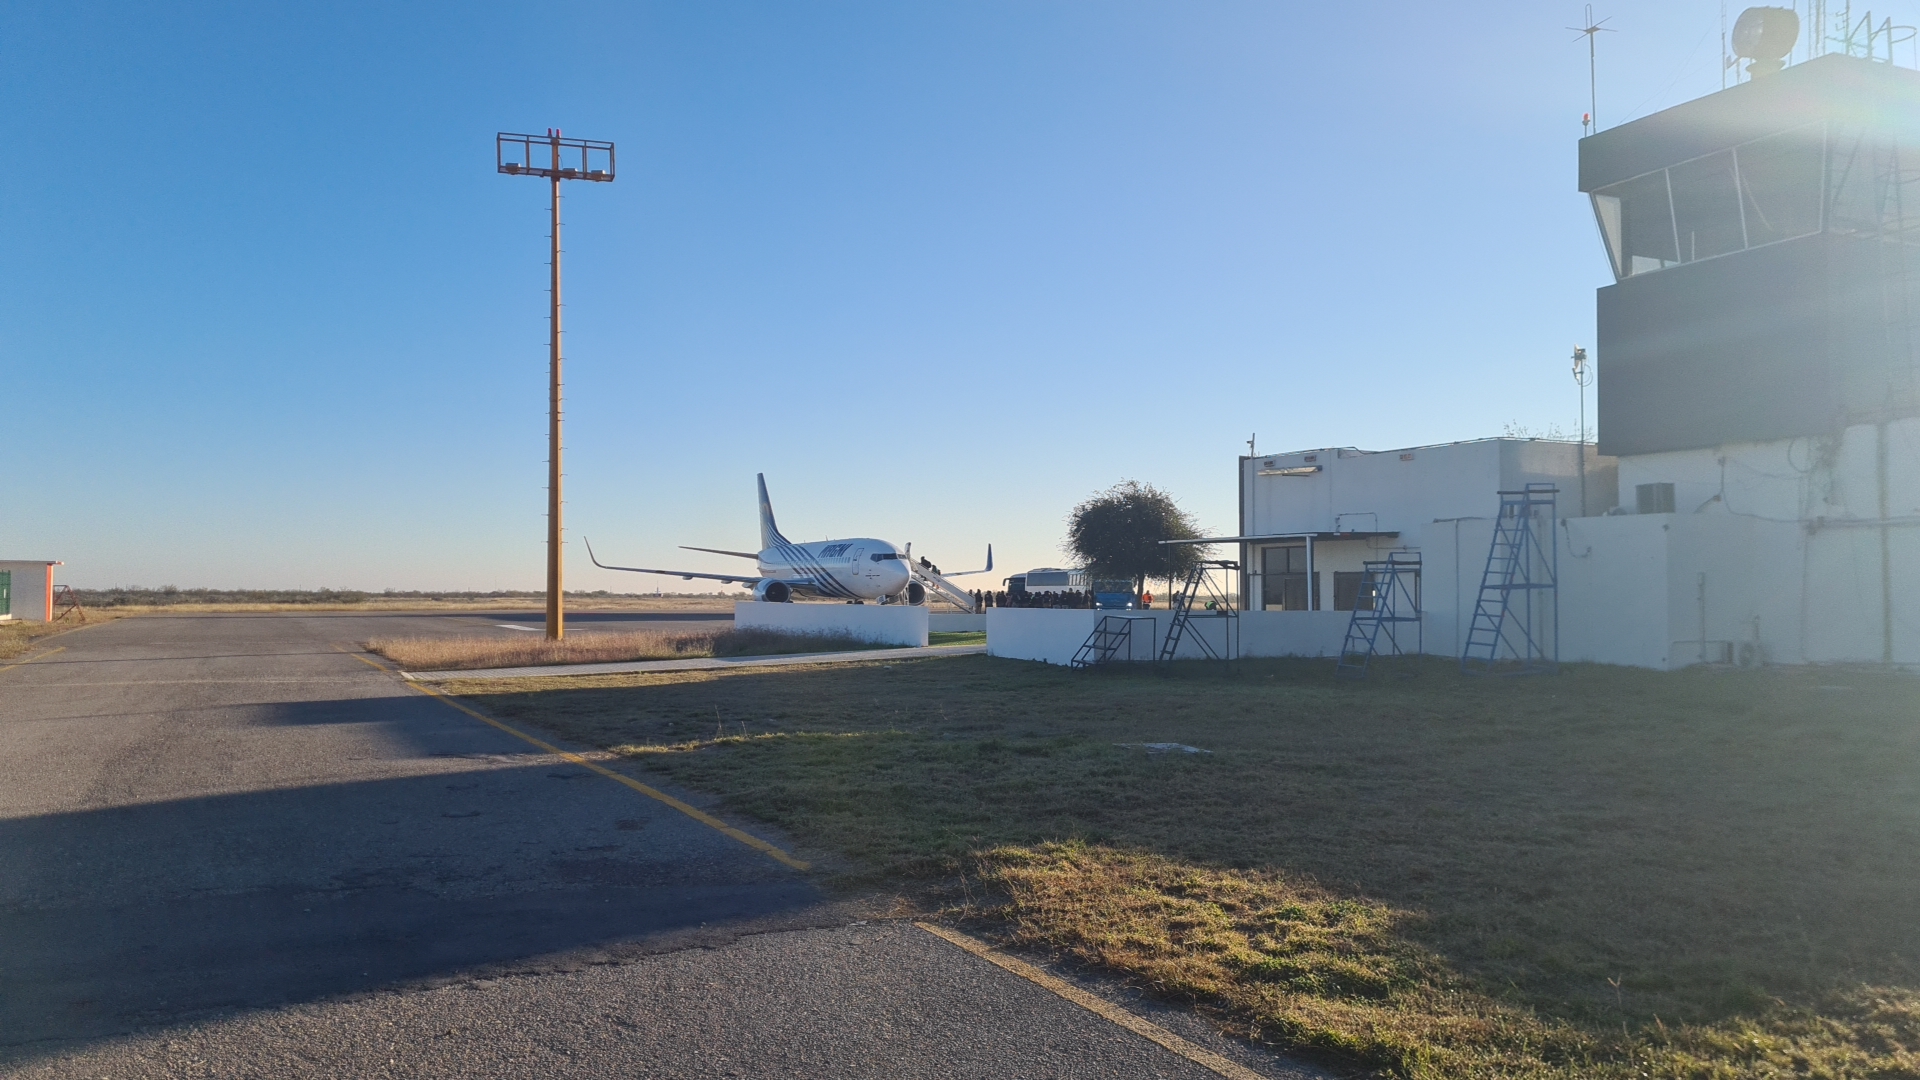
[1511,624]
[1109,634]
[1187,607]
[1390,589]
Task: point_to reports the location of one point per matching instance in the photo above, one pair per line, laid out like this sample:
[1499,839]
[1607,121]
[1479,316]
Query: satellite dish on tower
[1765,35]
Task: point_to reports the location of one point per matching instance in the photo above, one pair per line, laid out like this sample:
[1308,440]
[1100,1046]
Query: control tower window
[1706,207]
[1759,192]
[1780,185]
[1872,180]
[1637,219]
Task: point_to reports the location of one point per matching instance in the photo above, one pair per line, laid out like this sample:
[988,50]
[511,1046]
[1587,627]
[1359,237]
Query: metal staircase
[1111,634]
[1204,598]
[1516,621]
[1389,600]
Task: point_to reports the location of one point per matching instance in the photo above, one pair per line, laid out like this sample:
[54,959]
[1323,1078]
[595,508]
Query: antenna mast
[1590,31]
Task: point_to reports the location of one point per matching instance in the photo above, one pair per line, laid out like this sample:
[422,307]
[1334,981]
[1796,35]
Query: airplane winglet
[987,570]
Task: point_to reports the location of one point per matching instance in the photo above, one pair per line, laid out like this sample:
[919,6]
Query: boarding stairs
[1516,620]
[1204,598]
[952,593]
[1110,635]
[1386,611]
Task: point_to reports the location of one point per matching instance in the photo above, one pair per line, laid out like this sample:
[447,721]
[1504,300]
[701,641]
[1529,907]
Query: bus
[1047,579]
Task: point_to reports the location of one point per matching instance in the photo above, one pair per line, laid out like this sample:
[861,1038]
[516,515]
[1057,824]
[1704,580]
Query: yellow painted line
[374,664]
[37,656]
[695,813]
[1100,1007]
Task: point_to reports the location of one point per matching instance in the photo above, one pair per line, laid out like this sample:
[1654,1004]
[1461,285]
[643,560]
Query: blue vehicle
[1115,594]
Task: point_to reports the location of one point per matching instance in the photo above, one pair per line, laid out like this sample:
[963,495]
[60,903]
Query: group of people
[1070,598]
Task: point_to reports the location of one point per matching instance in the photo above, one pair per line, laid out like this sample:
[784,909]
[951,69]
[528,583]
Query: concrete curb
[704,663]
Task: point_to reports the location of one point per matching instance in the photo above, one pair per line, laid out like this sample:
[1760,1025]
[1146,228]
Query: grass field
[601,647]
[1605,873]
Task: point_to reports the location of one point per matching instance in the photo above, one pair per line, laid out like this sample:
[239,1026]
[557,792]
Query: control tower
[1765,245]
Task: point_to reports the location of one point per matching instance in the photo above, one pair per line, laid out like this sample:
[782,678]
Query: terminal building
[1755,494]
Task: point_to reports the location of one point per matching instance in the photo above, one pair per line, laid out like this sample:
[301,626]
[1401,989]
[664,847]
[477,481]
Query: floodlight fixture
[1765,35]
[553,158]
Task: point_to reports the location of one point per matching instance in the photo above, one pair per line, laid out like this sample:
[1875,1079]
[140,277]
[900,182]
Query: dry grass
[599,647]
[1296,965]
[1607,873]
[17,637]
[207,601]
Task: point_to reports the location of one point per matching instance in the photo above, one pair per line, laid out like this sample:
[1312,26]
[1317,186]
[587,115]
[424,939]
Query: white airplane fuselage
[857,569]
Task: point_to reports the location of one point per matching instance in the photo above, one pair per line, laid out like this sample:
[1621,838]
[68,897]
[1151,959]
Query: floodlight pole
[513,154]
[556,610]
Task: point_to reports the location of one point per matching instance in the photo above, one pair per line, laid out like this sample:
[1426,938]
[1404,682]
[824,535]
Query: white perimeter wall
[1053,635]
[888,624]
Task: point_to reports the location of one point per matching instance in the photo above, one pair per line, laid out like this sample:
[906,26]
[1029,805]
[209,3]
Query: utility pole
[1583,378]
[567,159]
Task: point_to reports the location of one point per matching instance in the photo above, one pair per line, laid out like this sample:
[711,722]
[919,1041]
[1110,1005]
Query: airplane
[856,569]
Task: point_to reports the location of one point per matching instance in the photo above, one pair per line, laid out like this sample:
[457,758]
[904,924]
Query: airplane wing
[686,575]
[722,551]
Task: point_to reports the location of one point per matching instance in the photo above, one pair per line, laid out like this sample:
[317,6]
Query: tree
[1117,534]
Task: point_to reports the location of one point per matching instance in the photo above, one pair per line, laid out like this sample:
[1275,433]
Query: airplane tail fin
[769,532]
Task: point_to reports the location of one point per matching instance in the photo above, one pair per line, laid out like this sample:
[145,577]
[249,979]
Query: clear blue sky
[268,317]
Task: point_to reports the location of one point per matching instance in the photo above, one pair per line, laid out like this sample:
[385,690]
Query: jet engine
[914,593]
[772,592]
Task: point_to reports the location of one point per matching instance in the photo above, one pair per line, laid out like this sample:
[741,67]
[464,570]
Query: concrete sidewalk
[703,663]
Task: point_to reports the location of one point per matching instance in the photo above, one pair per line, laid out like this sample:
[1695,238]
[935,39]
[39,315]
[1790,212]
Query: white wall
[1631,588]
[1789,533]
[1614,589]
[1403,491]
[1053,635]
[889,624]
[1293,633]
[1398,490]
[32,589]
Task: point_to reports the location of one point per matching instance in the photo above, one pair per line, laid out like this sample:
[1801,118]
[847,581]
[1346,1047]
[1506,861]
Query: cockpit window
[883,556]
